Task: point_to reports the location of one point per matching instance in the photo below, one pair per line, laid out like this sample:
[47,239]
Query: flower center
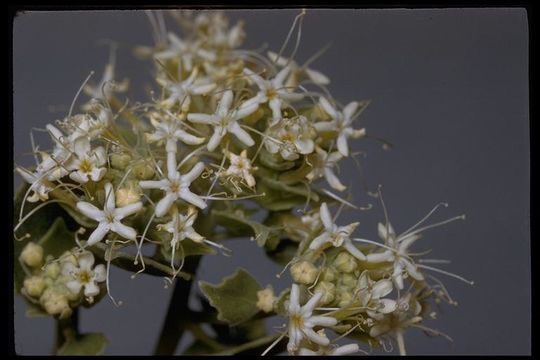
[298,321]
[175,186]
[85,276]
[109,216]
[86,166]
[271,93]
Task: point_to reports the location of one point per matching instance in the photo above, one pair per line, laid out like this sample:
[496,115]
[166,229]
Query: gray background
[449,90]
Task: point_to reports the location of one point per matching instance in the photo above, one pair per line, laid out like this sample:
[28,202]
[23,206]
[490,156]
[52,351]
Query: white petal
[322,321]
[294,299]
[342,145]
[345,350]
[279,60]
[305,146]
[110,203]
[407,241]
[330,110]
[380,257]
[123,230]
[385,231]
[241,134]
[98,234]
[193,173]
[319,241]
[74,286]
[378,329]
[81,146]
[325,216]
[86,260]
[382,288]
[69,269]
[225,103]
[325,126]
[192,198]
[333,181]
[307,352]
[317,77]
[412,270]
[349,110]
[152,184]
[387,306]
[100,273]
[127,210]
[97,173]
[215,139]
[202,89]
[316,338]
[353,250]
[90,210]
[275,105]
[280,77]
[246,109]
[312,303]
[261,83]
[165,204]
[91,289]
[202,118]
[79,176]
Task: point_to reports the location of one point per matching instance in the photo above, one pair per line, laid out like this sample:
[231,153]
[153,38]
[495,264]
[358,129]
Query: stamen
[78,93]
[425,217]
[274,344]
[445,273]
[460,217]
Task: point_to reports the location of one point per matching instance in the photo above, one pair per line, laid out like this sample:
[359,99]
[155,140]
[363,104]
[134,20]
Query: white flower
[39,184]
[225,120]
[302,321]
[371,293]
[187,51]
[181,227]
[170,131]
[90,126]
[241,167]
[53,164]
[294,137]
[109,218]
[406,313]
[273,92]
[84,276]
[341,123]
[183,90]
[336,235]
[106,84]
[312,220]
[402,262]
[298,71]
[88,162]
[176,186]
[331,350]
[323,165]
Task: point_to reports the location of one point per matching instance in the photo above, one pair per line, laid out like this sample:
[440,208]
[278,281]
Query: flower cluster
[229,124]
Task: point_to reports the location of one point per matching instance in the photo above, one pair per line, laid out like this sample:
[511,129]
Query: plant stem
[66,329]
[174,325]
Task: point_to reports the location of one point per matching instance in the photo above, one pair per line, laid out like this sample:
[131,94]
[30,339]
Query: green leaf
[57,239]
[237,224]
[235,298]
[84,344]
[198,347]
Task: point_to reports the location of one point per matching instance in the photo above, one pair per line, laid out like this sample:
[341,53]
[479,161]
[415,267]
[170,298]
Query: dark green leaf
[84,344]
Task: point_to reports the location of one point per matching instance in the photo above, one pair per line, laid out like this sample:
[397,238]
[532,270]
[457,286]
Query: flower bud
[55,303]
[328,274]
[34,285]
[348,280]
[52,270]
[32,255]
[329,292]
[266,299]
[120,161]
[304,272]
[126,196]
[345,262]
[143,171]
[344,295]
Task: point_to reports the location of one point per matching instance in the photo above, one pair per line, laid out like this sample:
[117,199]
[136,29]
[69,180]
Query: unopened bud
[34,285]
[266,299]
[328,274]
[143,171]
[55,303]
[120,161]
[52,270]
[127,196]
[345,296]
[345,262]
[32,255]
[304,272]
[329,292]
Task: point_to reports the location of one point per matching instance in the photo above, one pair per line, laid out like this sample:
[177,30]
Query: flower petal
[319,241]
[332,180]
[353,250]
[90,211]
[91,289]
[202,118]
[127,210]
[99,233]
[86,260]
[194,173]
[165,204]
[241,134]
[124,230]
[330,110]
[342,145]
[110,203]
[100,273]
[348,111]
[294,299]
[225,103]
[192,198]
[74,286]
[215,139]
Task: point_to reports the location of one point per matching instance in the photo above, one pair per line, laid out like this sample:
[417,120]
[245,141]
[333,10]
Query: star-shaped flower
[273,92]
[323,165]
[302,321]
[336,235]
[88,162]
[186,50]
[225,120]
[181,227]
[182,91]
[109,218]
[297,71]
[176,186]
[241,167]
[294,137]
[341,123]
[371,293]
[83,276]
[169,130]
